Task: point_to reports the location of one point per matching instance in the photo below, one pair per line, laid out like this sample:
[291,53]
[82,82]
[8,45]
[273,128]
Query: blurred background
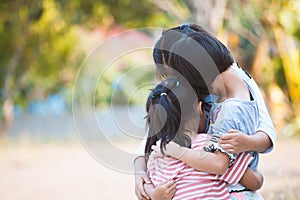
[43,44]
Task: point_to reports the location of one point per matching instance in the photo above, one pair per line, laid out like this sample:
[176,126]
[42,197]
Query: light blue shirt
[233,113]
[265,121]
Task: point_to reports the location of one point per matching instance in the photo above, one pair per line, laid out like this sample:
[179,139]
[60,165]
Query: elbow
[259,182]
[220,169]
[256,183]
[221,166]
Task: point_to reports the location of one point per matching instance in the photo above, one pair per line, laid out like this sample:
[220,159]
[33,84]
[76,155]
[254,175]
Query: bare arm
[260,142]
[140,176]
[216,163]
[236,142]
[252,180]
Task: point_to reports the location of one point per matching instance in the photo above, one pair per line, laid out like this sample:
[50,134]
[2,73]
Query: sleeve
[234,174]
[227,118]
[265,121]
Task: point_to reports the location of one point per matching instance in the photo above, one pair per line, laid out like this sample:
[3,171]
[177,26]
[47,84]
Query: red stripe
[190,183]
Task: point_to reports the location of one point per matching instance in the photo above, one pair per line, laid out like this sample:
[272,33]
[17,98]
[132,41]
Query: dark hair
[168,107]
[194,53]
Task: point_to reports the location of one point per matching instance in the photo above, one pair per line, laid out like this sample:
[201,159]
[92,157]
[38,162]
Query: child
[172,115]
[202,61]
[208,65]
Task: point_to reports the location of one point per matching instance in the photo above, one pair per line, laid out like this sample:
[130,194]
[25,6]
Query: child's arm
[140,177]
[252,180]
[236,142]
[239,172]
[215,163]
[144,189]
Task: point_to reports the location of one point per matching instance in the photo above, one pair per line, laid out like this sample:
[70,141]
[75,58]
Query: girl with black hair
[173,115]
[210,68]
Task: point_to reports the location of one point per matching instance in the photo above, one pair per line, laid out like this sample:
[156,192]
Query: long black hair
[169,106]
[194,53]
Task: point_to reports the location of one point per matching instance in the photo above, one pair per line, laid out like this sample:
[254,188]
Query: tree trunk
[7,118]
[8,105]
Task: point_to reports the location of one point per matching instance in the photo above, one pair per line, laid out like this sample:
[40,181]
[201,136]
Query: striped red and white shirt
[191,183]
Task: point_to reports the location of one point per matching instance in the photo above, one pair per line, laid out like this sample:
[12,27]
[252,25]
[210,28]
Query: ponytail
[164,119]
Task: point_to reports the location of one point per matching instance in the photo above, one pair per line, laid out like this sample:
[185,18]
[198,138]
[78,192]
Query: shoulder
[228,108]
[200,140]
[238,107]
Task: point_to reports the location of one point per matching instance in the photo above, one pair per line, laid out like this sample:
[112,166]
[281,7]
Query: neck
[234,87]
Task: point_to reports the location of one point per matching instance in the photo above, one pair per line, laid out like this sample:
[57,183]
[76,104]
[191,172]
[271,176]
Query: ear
[202,122]
[200,108]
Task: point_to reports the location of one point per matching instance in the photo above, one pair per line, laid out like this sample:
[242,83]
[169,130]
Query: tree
[267,42]
[38,53]
[264,37]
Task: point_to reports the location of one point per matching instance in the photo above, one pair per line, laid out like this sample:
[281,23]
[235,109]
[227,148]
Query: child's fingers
[141,192]
[227,147]
[140,196]
[171,187]
[158,143]
[232,131]
[228,136]
[224,139]
[170,184]
[156,153]
[147,180]
[172,190]
[154,148]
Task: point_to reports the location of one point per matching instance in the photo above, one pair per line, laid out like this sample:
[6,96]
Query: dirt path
[281,170]
[63,172]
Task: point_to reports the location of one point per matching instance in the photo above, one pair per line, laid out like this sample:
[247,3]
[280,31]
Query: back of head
[194,53]
[169,106]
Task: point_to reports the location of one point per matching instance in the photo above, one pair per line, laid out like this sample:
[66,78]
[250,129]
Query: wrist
[178,151]
[250,144]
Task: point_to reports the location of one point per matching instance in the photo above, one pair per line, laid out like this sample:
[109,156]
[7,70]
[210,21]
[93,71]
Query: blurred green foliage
[44,36]
[39,52]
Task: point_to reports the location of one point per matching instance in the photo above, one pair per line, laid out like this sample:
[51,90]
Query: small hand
[164,191]
[234,141]
[139,186]
[156,150]
[171,149]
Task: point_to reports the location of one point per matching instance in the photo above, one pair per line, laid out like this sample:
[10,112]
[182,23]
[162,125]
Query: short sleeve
[234,174]
[226,119]
[265,122]
[233,114]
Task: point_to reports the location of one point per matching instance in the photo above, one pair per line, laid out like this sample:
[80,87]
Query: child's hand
[140,180]
[164,191]
[234,141]
[156,150]
[172,149]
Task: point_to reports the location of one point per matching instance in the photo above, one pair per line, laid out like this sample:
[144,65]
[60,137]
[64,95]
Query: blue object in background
[53,105]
